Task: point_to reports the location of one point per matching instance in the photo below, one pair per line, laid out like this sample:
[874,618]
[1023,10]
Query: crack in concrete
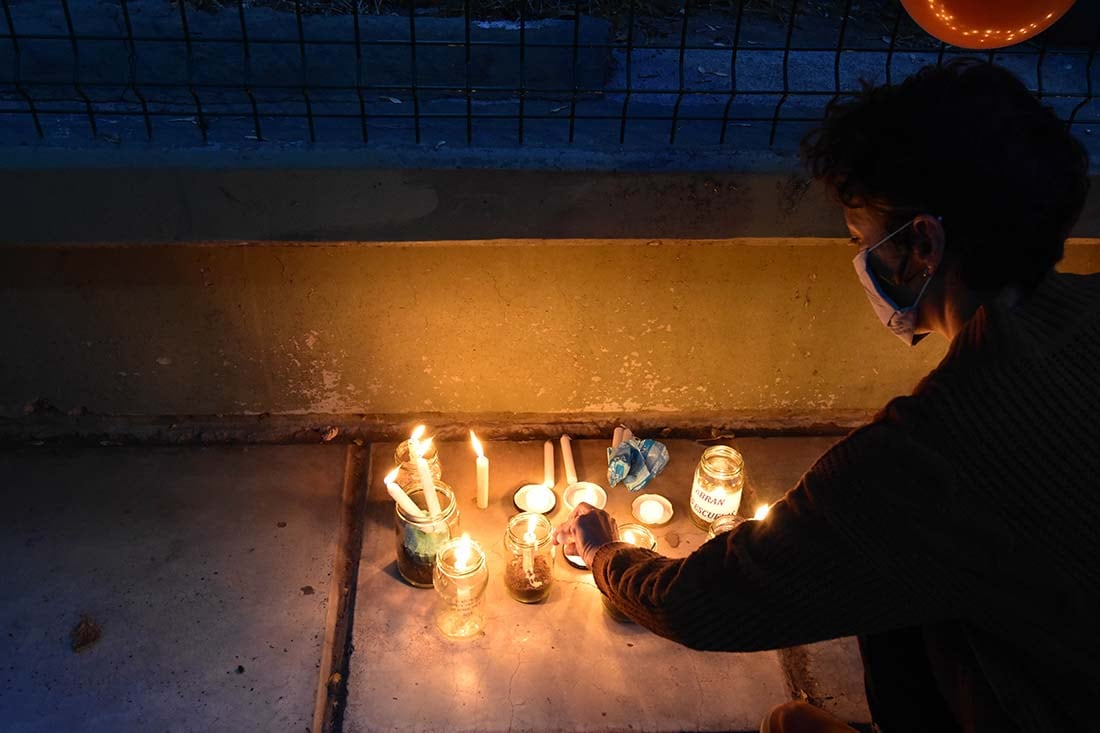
[512,705]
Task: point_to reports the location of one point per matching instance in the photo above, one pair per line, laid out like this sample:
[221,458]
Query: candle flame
[463,550]
[651,511]
[416,448]
[390,477]
[425,446]
[539,498]
[637,537]
[761,512]
[477,445]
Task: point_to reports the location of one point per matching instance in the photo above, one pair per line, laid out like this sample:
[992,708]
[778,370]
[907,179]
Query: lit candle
[637,535]
[463,551]
[617,437]
[587,492]
[427,482]
[482,473]
[548,464]
[761,512]
[652,509]
[540,499]
[529,540]
[650,512]
[567,458]
[534,498]
[399,495]
[414,442]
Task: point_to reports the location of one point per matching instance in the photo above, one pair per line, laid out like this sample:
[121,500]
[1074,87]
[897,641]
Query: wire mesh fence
[744,73]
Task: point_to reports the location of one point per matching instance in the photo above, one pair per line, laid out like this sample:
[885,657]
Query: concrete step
[565,664]
[204,573]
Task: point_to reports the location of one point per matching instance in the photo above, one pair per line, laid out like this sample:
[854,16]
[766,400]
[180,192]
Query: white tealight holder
[585,491]
[652,509]
[576,561]
[538,498]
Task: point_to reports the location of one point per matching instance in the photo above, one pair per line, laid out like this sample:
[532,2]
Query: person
[956,533]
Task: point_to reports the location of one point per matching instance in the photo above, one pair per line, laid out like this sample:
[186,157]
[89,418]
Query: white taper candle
[567,459]
[548,464]
[427,481]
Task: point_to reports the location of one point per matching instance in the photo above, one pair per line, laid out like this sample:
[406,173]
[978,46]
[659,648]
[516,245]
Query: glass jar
[529,572]
[724,523]
[639,536]
[460,578]
[407,474]
[418,539]
[719,479]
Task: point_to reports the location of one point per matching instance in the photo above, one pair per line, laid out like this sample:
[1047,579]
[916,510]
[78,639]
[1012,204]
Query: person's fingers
[564,531]
[581,509]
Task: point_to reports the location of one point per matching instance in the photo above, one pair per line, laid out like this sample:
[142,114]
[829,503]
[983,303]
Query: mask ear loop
[927,279]
[928,270]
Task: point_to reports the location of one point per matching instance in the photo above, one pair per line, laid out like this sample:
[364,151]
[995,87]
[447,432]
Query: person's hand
[587,530]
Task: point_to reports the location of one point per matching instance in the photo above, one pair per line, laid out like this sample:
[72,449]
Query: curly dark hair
[966,141]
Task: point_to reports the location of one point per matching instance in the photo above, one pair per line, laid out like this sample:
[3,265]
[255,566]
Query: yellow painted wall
[587,326]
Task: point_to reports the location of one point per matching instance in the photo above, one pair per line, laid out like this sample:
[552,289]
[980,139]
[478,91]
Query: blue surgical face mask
[902,322]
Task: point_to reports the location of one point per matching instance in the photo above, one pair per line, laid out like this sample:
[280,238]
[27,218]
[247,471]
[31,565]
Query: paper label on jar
[464,603]
[710,504]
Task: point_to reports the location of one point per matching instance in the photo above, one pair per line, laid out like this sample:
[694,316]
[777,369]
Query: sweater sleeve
[851,549]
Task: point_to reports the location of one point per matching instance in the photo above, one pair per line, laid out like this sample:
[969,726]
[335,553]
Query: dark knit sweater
[976,499]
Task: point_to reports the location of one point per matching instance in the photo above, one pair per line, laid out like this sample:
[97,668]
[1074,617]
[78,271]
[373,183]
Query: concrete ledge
[192,196]
[40,429]
[286,194]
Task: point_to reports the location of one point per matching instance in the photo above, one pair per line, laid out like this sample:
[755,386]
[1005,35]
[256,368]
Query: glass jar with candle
[406,467]
[418,539]
[719,478]
[460,578]
[529,557]
[724,523]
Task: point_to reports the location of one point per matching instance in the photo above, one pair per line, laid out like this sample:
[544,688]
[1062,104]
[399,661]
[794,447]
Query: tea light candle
[567,459]
[652,509]
[585,491]
[548,464]
[534,498]
[576,561]
[482,473]
[638,536]
[427,481]
[634,534]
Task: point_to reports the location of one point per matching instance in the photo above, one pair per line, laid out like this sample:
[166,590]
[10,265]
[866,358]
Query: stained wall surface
[582,326]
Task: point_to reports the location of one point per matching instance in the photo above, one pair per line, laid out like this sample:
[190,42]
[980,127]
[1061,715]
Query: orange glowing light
[983,23]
